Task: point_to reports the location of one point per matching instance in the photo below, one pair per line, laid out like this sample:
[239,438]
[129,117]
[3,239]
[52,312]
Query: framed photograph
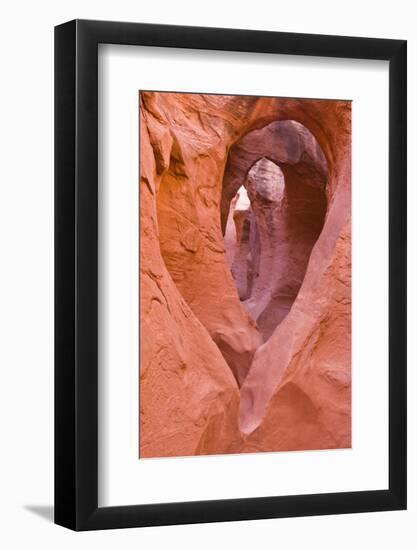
[230,285]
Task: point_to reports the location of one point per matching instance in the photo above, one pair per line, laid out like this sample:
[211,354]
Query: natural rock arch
[284,225]
[188,395]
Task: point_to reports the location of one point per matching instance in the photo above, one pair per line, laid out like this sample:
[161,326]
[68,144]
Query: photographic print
[245,274]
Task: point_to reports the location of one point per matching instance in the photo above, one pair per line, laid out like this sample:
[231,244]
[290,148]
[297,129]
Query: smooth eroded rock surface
[212,379]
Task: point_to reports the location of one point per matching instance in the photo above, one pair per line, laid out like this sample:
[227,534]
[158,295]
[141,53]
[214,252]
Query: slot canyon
[245,274]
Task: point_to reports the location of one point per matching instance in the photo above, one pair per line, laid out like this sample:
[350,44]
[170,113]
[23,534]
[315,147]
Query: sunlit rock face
[215,375]
[266,181]
[238,247]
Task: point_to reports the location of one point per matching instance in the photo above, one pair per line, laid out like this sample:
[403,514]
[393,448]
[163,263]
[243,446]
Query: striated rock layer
[211,380]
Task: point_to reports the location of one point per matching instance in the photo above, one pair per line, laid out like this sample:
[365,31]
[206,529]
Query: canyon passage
[245,274]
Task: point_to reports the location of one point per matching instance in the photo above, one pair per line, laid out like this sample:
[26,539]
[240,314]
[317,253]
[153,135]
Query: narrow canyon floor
[245,274]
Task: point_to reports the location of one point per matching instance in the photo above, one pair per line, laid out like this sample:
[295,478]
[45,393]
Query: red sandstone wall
[198,343]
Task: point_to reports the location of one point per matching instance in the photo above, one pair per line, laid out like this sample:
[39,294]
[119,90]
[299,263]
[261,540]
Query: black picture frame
[76,272]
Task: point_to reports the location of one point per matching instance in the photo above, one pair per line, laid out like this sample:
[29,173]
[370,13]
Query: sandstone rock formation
[199,343]
[287,215]
[186,389]
[240,224]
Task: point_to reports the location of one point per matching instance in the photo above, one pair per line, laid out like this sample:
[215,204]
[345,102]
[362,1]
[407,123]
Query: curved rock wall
[198,343]
[287,215]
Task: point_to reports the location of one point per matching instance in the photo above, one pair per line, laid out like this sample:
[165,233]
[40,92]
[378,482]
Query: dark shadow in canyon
[273,209]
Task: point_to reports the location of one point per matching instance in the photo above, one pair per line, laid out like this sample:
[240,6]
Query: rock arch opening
[273,209]
[209,383]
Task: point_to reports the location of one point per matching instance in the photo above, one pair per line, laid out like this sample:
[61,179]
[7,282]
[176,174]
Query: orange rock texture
[245,311]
